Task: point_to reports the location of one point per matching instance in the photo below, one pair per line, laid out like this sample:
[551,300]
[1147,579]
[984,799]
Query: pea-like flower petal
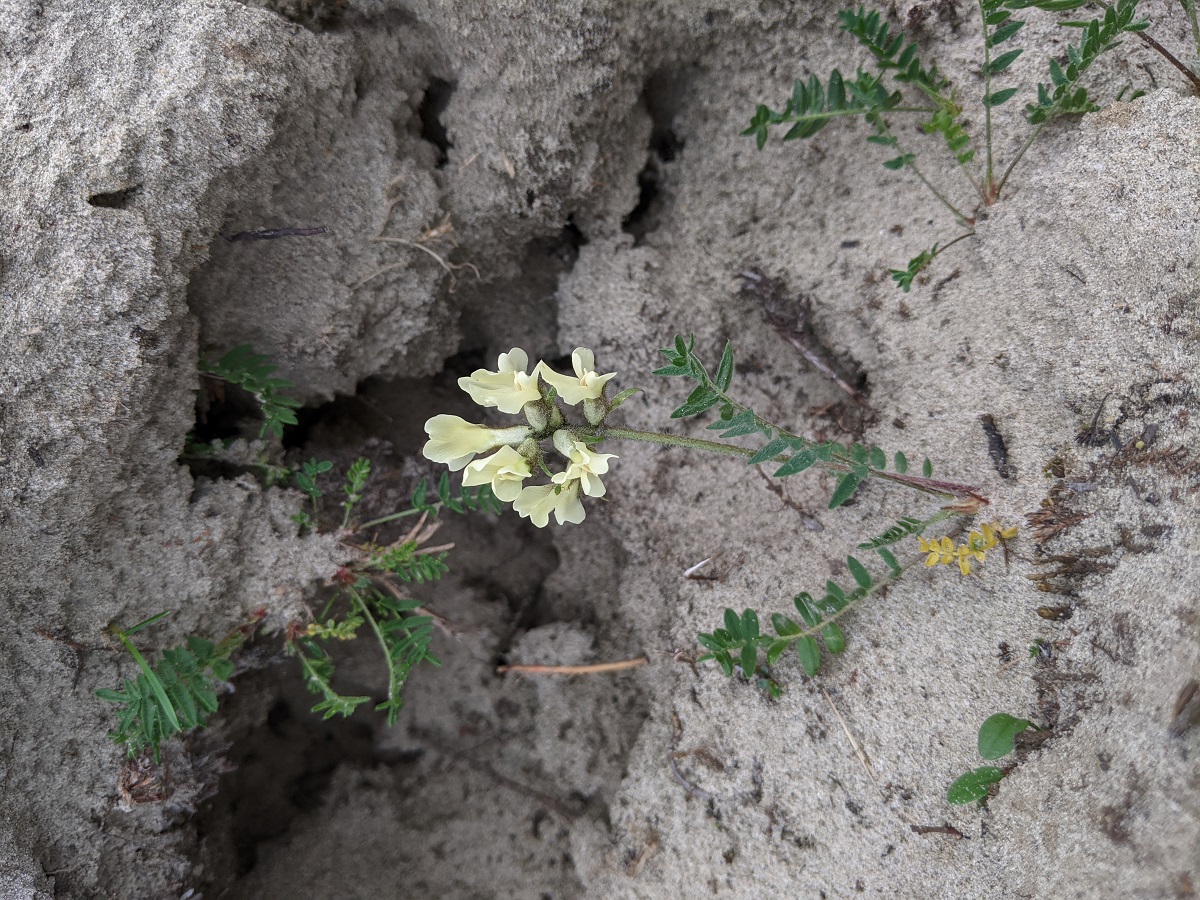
[538,501]
[455,441]
[504,470]
[587,383]
[583,464]
[508,389]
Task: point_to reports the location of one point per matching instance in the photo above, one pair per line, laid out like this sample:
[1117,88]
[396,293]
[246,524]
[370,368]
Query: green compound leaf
[860,573]
[748,660]
[750,625]
[916,265]
[835,641]
[974,784]
[810,655]
[995,98]
[846,488]
[805,459]
[725,369]
[784,627]
[1003,61]
[770,450]
[733,625]
[997,734]
[903,528]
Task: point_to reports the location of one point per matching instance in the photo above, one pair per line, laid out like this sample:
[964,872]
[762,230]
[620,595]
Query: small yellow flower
[587,383]
[508,389]
[965,555]
[942,551]
[455,441]
[504,470]
[993,533]
[584,465]
[538,501]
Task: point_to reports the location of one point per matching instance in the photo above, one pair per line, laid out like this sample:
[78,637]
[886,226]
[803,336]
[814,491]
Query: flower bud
[595,410]
[537,414]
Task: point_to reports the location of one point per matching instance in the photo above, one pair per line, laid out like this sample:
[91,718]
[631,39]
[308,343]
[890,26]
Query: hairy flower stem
[674,440]
[947,490]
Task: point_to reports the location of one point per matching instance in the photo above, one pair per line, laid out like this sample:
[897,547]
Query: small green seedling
[904,85]
[997,738]
[251,372]
[181,693]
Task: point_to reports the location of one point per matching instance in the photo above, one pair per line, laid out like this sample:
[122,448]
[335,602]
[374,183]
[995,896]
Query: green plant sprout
[923,91]
[366,594]
[179,694]
[251,372]
[997,736]
[521,452]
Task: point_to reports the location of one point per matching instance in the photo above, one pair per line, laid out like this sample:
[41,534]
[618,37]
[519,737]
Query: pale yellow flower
[538,501]
[504,470]
[584,465]
[587,383]
[455,441]
[508,389]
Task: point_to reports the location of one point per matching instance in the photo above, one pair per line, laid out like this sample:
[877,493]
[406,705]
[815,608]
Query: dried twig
[593,669]
[673,762]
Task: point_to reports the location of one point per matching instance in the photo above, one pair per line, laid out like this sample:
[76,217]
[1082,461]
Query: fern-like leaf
[176,695]
[812,106]
[252,372]
[1062,94]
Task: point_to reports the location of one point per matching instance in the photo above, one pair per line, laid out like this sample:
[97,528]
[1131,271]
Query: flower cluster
[518,449]
[975,547]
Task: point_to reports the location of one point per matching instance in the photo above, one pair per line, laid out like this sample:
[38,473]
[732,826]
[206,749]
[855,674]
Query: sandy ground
[588,160]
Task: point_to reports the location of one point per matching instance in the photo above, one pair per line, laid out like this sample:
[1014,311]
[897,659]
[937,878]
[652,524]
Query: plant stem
[1016,159]
[354,595]
[989,178]
[946,203]
[946,489]
[392,517]
[675,440]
